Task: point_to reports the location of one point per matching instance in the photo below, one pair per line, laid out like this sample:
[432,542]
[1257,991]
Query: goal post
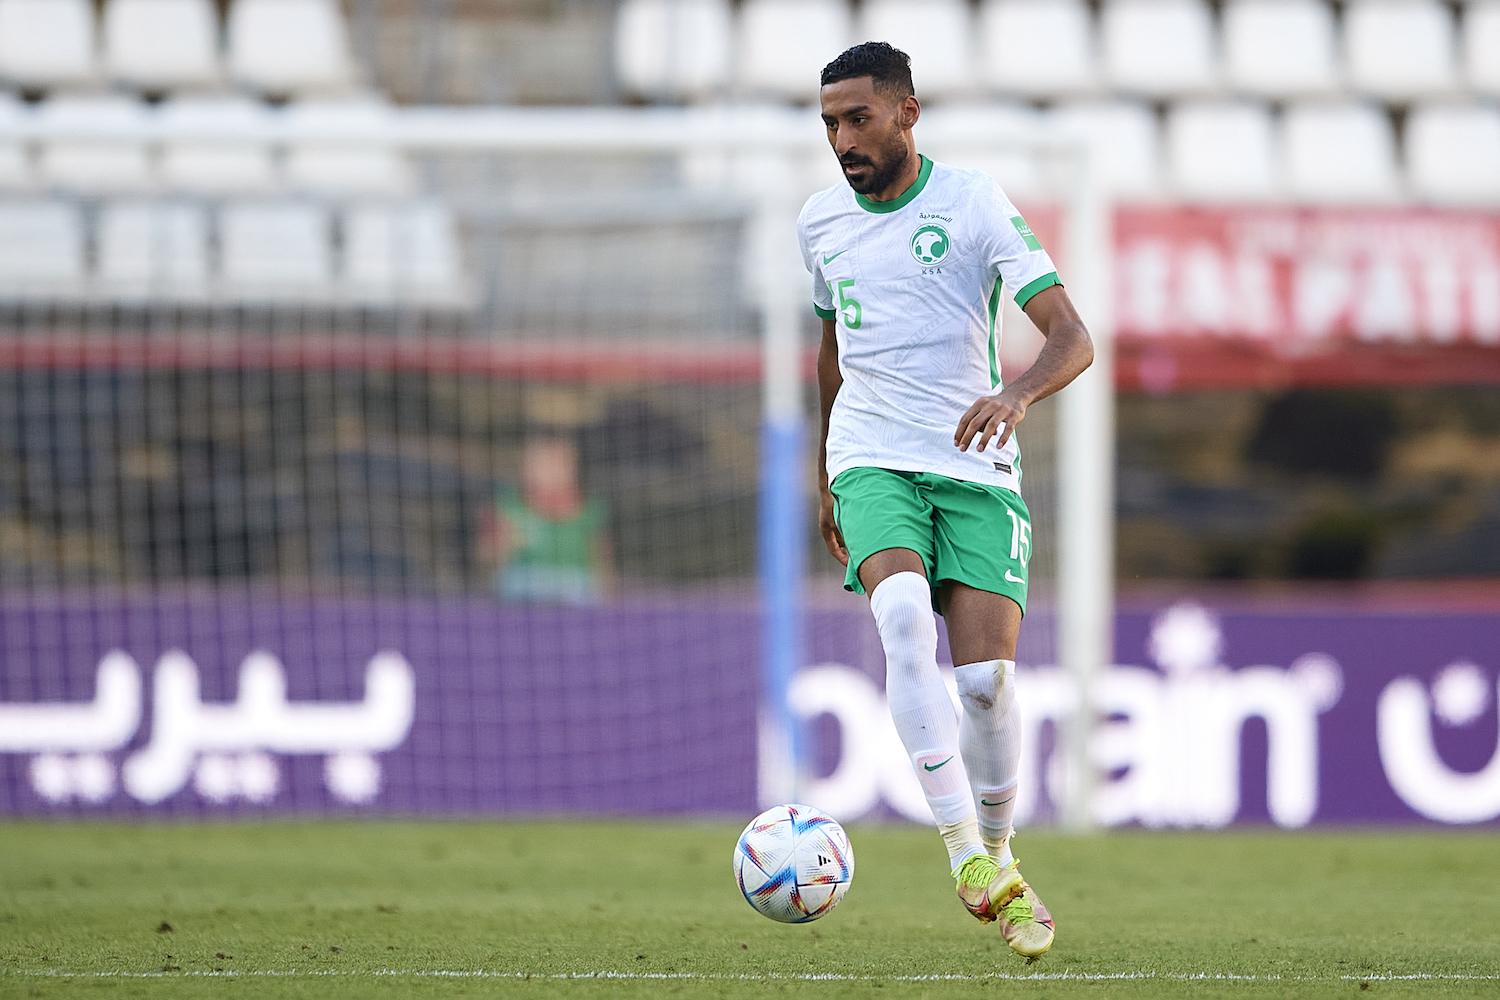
[1086,479]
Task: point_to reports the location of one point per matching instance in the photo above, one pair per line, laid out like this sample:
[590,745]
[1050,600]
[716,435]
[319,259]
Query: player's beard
[882,174]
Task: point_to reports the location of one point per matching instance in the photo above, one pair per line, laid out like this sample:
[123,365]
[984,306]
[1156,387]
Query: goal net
[492,496]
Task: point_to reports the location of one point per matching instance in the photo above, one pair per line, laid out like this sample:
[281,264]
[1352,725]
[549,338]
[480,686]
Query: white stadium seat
[15,170]
[1280,48]
[275,250]
[41,248]
[1482,45]
[1222,150]
[152,249]
[46,42]
[935,33]
[673,49]
[401,252]
[1036,47]
[334,167]
[951,131]
[216,166]
[784,44]
[161,43]
[758,173]
[102,164]
[1340,152]
[1158,47]
[1124,142]
[1453,153]
[289,46]
[1399,48]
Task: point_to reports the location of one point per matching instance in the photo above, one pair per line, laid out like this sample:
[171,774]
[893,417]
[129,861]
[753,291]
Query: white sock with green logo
[922,708]
[989,736]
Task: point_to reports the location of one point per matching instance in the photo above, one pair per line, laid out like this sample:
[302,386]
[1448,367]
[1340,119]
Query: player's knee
[902,605]
[982,686]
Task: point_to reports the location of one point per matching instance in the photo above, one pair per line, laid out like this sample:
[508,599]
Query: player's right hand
[832,537]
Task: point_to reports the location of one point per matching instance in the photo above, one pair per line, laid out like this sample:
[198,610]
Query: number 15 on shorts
[1020,544]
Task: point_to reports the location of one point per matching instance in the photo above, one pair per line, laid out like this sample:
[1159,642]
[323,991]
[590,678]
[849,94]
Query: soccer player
[919,466]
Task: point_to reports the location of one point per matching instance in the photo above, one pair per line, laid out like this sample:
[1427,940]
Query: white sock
[990,738]
[922,709]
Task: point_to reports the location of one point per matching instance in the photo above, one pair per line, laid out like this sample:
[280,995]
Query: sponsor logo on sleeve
[1026,234]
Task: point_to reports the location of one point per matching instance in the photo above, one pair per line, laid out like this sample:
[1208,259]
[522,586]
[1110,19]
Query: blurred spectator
[548,540]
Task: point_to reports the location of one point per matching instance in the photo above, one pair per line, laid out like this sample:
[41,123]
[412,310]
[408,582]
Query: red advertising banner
[1261,297]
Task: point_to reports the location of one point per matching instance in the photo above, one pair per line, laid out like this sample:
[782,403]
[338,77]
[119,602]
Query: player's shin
[990,741]
[922,709]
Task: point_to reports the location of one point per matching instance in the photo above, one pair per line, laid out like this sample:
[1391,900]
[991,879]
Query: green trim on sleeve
[904,198]
[1045,281]
[823,313]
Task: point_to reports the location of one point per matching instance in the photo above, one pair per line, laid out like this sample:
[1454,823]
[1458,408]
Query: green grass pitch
[594,908]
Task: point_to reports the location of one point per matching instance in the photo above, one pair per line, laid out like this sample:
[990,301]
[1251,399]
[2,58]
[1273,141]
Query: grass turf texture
[336,909]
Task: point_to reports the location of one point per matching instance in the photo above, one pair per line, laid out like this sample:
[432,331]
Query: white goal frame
[1085,428]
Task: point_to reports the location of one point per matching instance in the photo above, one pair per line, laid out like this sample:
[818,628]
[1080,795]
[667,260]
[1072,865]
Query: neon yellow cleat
[986,888]
[1026,924]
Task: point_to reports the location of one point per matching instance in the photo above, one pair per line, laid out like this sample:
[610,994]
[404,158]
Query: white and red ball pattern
[793,863]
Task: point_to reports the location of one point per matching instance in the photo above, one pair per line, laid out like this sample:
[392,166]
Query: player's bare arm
[829,381]
[1066,352]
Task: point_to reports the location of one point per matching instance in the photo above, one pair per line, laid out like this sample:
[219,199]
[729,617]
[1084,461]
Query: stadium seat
[95,164]
[41,249]
[160,44]
[219,165]
[1482,45]
[1158,47]
[784,44]
[937,34]
[1399,49]
[1280,48]
[673,49]
[1339,152]
[1036,47]
[289,46]
[405,252]
[15,168]
[151,249]
[952,131]
[332,167]
[759,173]
[1221,149]
[1124,140]
[275,250]
[46,42]
[1453,153]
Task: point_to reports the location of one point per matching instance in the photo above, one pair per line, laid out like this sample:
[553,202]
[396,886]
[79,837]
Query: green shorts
[971,533]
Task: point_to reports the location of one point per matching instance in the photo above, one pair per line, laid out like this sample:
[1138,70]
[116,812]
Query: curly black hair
[888,68]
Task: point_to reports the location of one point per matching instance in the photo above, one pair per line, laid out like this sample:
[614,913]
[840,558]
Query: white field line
[1067,974]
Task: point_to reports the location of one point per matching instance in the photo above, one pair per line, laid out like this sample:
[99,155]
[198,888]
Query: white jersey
[914,287]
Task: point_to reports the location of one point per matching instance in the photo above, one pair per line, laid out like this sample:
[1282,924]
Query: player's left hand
[990,417]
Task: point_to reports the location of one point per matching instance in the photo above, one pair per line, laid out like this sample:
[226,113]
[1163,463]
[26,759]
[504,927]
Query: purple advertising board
[240,705]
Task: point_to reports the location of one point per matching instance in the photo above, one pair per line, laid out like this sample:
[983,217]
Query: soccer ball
[793,863]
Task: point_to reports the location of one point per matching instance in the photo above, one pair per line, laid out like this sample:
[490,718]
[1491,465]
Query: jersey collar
[904,198]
